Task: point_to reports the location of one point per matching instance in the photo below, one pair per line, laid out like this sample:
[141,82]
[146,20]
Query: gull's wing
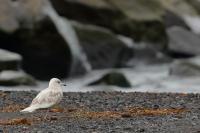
[46,98]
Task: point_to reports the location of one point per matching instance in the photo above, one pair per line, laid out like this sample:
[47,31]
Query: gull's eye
[58,82]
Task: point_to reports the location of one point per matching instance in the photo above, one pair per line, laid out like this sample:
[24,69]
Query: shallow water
[143,79]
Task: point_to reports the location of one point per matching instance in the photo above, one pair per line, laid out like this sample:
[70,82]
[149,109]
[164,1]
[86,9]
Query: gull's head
[55,82]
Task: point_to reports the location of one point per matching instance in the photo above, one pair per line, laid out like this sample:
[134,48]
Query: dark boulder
[171,19]
[113,78]
[183,41]
[8,17]
[122,17]
[146,54]
[102,47]
[9,60]
[45,51]
[186,67]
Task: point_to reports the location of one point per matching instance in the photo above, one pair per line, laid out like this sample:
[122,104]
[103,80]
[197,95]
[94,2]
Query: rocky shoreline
[96,35]
[103,112]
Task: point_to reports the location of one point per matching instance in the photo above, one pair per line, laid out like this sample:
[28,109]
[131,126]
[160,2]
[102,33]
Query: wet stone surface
[101,112]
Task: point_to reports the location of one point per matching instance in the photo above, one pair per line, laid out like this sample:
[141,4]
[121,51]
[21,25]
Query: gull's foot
[56,108]
[46,115]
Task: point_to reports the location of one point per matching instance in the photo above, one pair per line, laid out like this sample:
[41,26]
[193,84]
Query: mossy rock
[113,78]
[13,78]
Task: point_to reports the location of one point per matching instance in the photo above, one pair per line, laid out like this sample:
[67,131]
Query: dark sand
[103,112]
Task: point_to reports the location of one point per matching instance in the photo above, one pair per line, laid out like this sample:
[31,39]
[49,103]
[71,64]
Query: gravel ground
[103,112]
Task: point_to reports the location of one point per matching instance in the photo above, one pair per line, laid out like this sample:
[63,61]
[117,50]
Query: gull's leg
[46,114]
[56,106]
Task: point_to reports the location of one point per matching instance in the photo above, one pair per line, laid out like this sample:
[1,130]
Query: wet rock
[131,17]
[10,78]
[171,19]
[45,51]
[29,11]
[195,4]
[193,23]
[113,78]
[9,60]
[103,48]
[186,67]
[85,11]
[145,21]
[186,13]
[42,58]
[17,13]
[131,8]
[145,53]
[8,17]
[120,16]
[179,7]
[183,41]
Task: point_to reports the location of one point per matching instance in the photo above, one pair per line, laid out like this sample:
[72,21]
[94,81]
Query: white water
[193,22]
[143,79]
[68,33]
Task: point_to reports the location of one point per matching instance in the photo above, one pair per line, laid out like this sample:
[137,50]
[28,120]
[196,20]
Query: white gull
[47,97]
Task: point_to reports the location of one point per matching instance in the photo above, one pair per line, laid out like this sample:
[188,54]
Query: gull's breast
[56,96]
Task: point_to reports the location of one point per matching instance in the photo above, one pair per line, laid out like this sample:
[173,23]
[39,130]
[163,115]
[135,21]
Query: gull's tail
[28,109]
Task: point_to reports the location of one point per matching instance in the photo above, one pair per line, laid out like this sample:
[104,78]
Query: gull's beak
[63,84]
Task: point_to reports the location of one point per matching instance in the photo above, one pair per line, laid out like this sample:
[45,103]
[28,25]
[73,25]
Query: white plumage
[47,97]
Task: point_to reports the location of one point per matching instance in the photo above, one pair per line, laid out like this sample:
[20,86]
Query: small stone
[53,118]
[125,115]
[117,127]
[155,106]
[141,130]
